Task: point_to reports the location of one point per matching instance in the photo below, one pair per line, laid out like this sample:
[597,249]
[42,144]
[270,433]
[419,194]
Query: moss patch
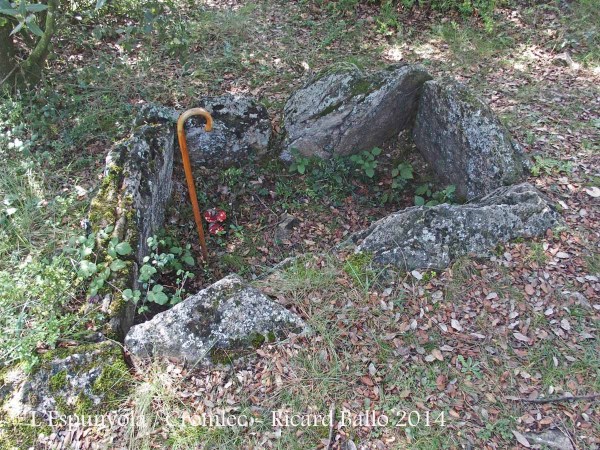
[21,434]
[58,381]
[113,383]
[358,267]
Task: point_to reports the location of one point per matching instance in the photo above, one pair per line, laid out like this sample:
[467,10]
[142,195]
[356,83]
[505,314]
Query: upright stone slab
[242,131]
[134,192]
[225,320]
[464,142]
[342,112]
[432,237]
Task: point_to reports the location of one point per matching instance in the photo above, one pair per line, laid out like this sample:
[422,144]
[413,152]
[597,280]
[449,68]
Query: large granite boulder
[133,195]
[219,323]
[82,380]
[432,237]
[344,112]
[464,142]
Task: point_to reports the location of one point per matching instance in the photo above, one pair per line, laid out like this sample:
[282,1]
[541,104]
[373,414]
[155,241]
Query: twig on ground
[558,399]
[331,416]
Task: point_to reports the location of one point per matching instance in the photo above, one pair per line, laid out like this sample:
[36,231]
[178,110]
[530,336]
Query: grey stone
[241,130]
[285,227]
[83,379]
[551,438]
[134,192]
[224,320]
[344,112]
[464,142]
[432,237]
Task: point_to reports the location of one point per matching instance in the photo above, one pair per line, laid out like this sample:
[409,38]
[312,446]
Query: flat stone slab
[225,320]
[432,237]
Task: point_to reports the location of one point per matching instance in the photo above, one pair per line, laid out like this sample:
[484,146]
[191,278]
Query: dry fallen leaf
[437,354]
[521,439]
[521,337]
[456,325]
[529,289]
[594,191]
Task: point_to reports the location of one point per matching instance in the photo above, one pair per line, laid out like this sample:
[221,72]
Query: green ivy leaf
[123,248]
[406,172]
[376,151]
[87,268]
[117,265]
[157,295]
[146,272]
[419,201]
[422,189]
[131,295]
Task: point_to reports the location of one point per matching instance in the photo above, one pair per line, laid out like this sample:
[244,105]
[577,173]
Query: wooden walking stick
[187,167]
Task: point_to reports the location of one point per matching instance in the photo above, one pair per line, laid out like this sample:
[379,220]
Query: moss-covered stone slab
[342,112]
[464,142]
[226,320]
[432,237]
[133,195]
[87,379]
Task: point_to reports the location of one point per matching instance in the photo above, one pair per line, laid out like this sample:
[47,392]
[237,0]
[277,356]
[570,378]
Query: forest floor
[452,358]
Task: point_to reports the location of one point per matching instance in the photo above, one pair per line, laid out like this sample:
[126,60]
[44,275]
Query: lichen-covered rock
[223,321]
[81,380]
[464,142]
[133,196]
[241,131]
[345,112]
[432,237]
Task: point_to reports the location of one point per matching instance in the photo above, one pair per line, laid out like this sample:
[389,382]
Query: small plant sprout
[366,161]
[215,217]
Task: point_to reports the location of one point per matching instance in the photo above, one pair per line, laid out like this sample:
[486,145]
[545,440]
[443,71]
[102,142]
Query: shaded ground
[473,342]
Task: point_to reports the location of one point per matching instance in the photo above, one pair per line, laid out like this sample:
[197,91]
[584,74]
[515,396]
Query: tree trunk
[32,67]
[8,64]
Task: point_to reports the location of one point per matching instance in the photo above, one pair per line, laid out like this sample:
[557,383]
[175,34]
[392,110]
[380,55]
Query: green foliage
[401,175]
[426,196]
[366,161]
[34,308]
[300,163]
[93,264]
[388,21]
[547,166]
[470,367]
[359,267]
[23,14]
[167,259]
[232,177]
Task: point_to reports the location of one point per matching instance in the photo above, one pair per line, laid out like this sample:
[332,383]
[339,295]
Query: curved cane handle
[187,168]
